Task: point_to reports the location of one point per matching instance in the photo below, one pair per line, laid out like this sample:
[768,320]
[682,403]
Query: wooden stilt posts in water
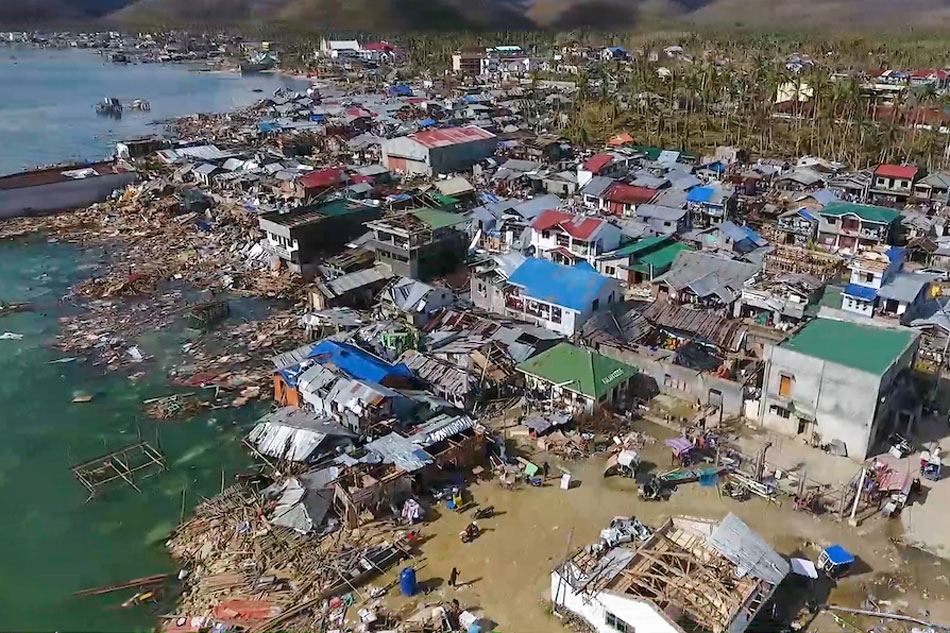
[121,464]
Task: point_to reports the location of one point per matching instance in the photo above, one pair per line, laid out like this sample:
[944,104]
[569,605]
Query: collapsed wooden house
[689,575]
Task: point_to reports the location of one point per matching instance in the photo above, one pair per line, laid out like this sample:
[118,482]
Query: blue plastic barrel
[407,582]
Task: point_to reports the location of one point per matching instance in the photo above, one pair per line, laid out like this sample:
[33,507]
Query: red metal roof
[620,139]
[324,178]
[628,194]
[380,46]
[896,171]
[577,226]
[451,136]
[924,73]
[597,162]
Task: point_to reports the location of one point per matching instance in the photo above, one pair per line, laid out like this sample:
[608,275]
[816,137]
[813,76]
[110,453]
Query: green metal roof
[640,245]
[652,153]
[338,207]
[662,259]
[583,370]
[866,212]
[863,347]
[437,219]
[446,201]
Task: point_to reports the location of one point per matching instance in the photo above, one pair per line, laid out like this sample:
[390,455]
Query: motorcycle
[484,513]
[470,533]
[735,491]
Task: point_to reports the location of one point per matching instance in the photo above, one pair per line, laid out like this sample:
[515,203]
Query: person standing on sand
[453,577]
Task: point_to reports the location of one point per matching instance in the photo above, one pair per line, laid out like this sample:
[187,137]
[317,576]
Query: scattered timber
[122,463]
[11,308]
[145,581]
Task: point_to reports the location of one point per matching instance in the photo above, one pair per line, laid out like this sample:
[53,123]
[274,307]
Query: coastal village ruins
[672,385]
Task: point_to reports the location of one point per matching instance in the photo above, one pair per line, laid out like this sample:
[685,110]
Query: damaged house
[303,235]
[689,575]
[419,244]
[379,479]
[706,279]
[343,382]
[298,435]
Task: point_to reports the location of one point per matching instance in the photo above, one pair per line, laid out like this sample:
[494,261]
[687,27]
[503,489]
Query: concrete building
[894,183]
[438,151]
[419,244]
[556,297]
[302,236]
[689,575]
[567,238]
[841,381]
[846,225]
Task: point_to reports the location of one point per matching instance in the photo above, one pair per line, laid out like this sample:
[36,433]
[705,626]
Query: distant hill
[37,11]
[495,14]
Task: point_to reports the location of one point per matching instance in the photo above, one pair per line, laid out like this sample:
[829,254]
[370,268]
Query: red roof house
[906,172]
[319,181]
[622,198]
[596,163]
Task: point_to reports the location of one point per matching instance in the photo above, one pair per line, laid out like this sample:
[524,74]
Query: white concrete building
[567,238]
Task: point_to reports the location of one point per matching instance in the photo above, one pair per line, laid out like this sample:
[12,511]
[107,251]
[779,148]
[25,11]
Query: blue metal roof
[570,287]
[700,194]
[352,360]
[861,292]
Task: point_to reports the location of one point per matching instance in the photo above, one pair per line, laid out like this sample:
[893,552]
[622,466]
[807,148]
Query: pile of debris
[243,571]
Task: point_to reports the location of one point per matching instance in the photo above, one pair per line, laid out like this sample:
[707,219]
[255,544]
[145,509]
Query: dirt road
[506,571]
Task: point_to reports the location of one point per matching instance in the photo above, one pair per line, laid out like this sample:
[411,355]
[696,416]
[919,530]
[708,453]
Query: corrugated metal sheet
[451,136]
[744,548]
[441,428]
[285,442]
[398,450]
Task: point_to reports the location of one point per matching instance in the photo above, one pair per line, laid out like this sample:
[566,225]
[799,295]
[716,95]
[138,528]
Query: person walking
[453,577]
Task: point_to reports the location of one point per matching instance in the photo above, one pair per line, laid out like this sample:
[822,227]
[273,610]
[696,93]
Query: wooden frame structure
[122,464]
[677,569]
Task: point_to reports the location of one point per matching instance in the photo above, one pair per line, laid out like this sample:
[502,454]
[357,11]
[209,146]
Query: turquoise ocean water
[52,543]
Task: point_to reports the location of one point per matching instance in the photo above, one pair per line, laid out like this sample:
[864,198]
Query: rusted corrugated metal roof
[451,136]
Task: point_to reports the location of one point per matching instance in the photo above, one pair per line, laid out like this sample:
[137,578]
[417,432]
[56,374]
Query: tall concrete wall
[681,382]
[60,196]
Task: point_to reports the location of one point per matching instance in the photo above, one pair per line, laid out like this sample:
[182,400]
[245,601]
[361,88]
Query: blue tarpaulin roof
[839,555]
[401,91]
[268,126]
[861,292]
[700,194]
[350,359]
[426,122]
[318,118]
[807,215]
[570,287]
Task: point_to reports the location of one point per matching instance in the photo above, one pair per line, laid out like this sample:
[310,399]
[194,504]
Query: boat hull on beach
[62,188]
